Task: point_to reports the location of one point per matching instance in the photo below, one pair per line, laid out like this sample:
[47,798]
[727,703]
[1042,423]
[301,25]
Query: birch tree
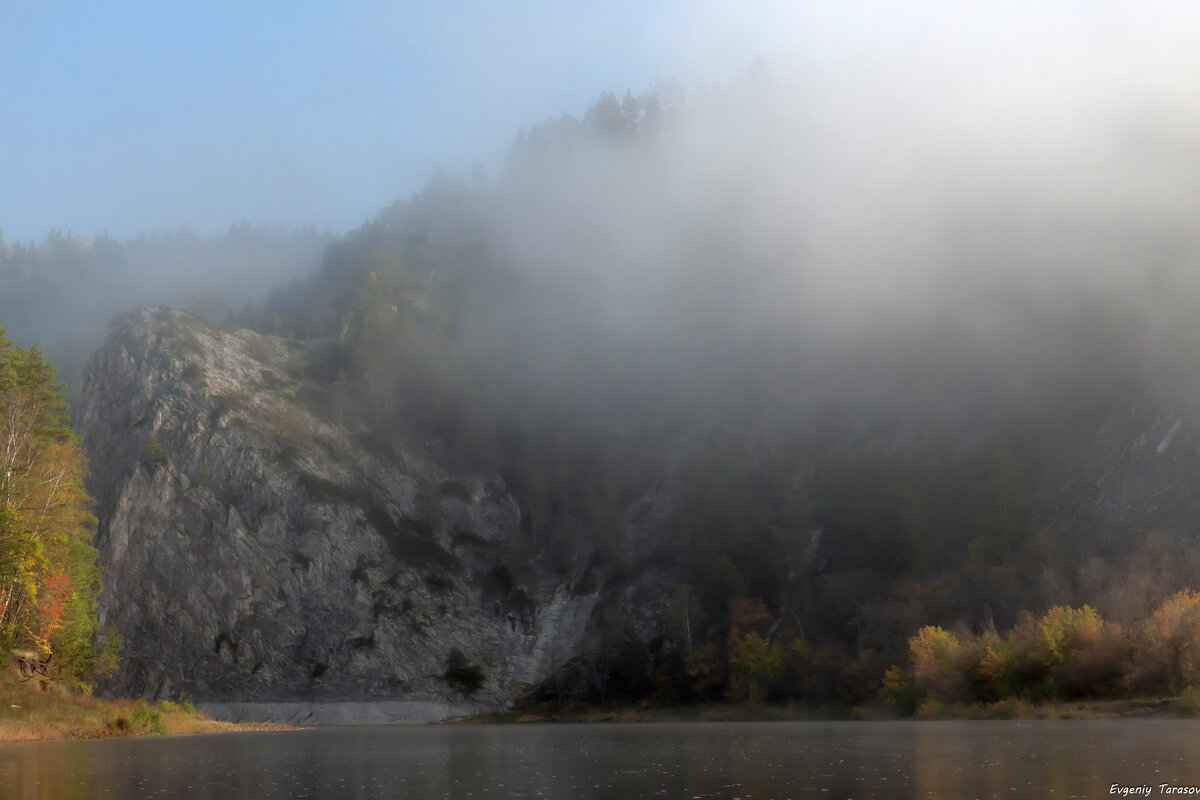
[49,576]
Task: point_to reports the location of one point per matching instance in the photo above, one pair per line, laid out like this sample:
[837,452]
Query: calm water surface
[726,760]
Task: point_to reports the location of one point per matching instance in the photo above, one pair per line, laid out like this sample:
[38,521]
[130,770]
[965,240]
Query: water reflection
[622,762]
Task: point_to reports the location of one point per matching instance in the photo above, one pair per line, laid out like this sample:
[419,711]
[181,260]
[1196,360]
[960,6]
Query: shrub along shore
[1068,655]
[1185,704]
[1067,664]
[27,714]
[32,716]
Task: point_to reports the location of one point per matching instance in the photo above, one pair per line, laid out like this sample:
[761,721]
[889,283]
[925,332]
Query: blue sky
[131,117]
[126,117]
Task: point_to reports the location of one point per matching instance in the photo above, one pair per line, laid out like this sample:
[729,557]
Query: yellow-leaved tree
[49,575]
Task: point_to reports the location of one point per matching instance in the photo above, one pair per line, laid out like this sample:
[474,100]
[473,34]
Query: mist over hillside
[796,347]
[62,293]
[828,353]
[784,244]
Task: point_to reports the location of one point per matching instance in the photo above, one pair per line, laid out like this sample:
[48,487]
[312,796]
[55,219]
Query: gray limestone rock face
[256,549]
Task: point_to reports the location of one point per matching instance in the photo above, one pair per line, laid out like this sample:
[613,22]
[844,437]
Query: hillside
[681,437]
[262,543]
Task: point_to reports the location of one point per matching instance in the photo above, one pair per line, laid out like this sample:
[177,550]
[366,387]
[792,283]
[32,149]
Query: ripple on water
[622,762]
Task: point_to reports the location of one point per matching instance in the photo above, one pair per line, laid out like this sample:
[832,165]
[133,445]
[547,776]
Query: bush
[1188,701]
[184,706]
[1064,629]
[287,455]
[148,720]
[898,690]
[186,340]
[154,453]
[995,672]
[1068,652]
[1078,654]
[202,477]
[271,381]
[933,652]
[986,668]
[1169,652]
[463,676]
[225,403]
[193,372]
[753,665]
[325,491]
[257,349]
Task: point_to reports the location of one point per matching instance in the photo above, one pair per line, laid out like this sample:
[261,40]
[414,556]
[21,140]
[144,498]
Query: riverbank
[382,711]
[28,715]
[698,712]
[1166,707]
[1186,704]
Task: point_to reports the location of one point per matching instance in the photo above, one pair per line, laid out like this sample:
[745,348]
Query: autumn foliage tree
[49,576]
[1169,645]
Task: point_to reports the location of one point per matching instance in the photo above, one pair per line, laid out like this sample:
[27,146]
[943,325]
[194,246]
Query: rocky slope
[256,549]
[259,547]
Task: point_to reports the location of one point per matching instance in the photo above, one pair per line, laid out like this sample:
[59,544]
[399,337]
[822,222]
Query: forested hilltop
[775,399]
[62,292]
[782,423]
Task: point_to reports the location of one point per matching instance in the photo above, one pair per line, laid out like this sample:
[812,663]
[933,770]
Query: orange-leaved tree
[49,576]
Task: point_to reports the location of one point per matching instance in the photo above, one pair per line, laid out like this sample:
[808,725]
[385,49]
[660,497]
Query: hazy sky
[127,117]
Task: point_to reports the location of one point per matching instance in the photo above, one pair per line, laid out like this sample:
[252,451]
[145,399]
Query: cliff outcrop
[262,546]
[256,548]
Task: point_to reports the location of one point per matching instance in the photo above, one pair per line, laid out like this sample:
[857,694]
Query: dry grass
[27,714]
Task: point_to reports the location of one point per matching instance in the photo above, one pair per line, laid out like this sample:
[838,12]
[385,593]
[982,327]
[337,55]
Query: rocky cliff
[260,546]
[256,549]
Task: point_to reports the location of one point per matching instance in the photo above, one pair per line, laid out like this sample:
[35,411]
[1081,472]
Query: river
[754,761]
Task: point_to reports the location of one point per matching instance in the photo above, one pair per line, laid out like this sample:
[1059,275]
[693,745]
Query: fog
[935,196]
[965,208]
[867,188]
[62,292]
[881,315]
